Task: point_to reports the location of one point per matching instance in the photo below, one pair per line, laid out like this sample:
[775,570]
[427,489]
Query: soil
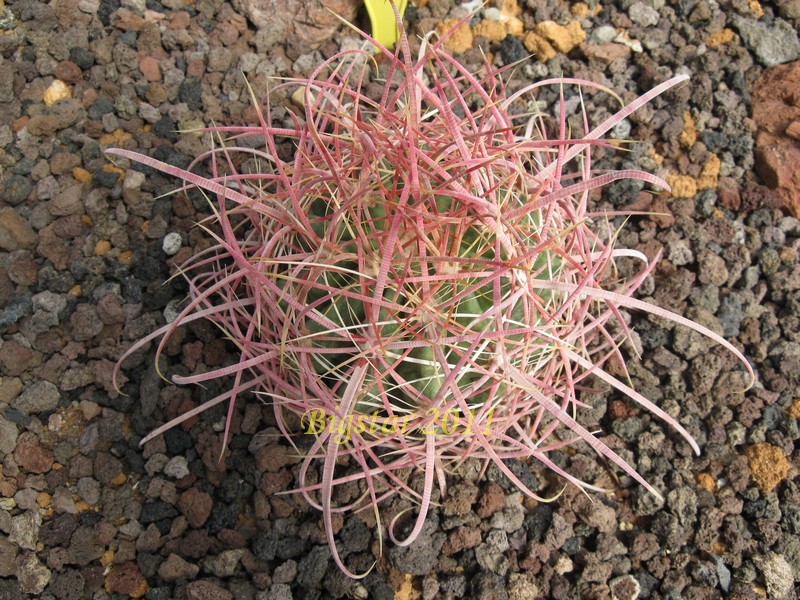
[87,249]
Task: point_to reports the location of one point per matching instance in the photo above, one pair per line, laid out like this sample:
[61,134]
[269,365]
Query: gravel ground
[85,253]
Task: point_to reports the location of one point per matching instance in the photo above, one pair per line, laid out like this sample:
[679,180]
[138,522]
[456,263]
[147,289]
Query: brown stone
[776,110]
[656,207]
[793,130]
[32,575]
[15,358]
[149,67]
[6,287]
[53,247]
[461,539]
[305,23]
[178,20]
[605,53]
[728,192]
[85,322]
[195,506]
[68,72]
[272,483]
[126,579]
[64,162]
[107,468]
[206,590]
[8,555]
[492,500]
[15,232]
[61,115]
[67,202]
[126,20]
[22,269]
[10,388]
[110,310]
[30,456]
[274,457]
[175,568]
[70,226]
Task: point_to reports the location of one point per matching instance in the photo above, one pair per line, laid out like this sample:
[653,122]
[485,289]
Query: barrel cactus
[422,281]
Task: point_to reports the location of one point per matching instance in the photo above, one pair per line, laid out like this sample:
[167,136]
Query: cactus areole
[423,281]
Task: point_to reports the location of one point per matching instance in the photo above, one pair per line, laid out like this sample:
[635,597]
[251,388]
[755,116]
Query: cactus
[423,281]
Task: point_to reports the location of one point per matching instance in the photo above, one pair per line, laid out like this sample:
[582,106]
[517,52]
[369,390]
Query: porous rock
[309,23]
[776,111]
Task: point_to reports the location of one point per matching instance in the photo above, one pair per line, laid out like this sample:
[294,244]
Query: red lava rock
[85,322]
[308,23]
[461,539]
[460,499]
[93,575]
[15,232]
[30,456]
[214,353]
[657,208]
[126,20]
[149,67]
[194,544]
[729,194]
[68,72]
[176,568]
[274,457]
[8,555]
[206,590]
[126,579]
[281,507]
[595,513]
[101,371]
[182,206]
[109,309]
[491,501]
[180,258]
[195,68]
[69,226]
[32,575]
[68,202]
[178,20]
[537,555]
[6,287]
[191,354]
[618,409]
[195,506]
[64,162]
[15,358]
[272,483]
[22,269]
[52,247]
[759,196]
[560,530]
[776,111]
[228,33]
[209,445]
[107,468]
[232,538]
[645,547]
[61,115]
[605,53]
